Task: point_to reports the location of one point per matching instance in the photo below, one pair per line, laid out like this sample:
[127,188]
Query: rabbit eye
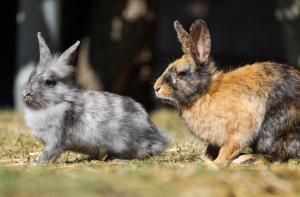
[49,83]
[182,73]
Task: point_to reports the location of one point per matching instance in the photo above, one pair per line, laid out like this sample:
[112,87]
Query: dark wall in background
[245,31]
[242,32]
[7,51]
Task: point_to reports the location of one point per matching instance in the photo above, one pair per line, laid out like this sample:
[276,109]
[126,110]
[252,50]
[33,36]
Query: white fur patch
[45,123]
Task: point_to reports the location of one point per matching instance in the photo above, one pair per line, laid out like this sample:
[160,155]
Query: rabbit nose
[27,93]
[157,88]
[157,85]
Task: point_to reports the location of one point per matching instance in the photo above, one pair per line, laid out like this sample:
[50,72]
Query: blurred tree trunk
[288,14]
[122,46]
[122,39]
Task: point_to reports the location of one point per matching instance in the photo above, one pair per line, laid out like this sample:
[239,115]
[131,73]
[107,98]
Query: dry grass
[180,171]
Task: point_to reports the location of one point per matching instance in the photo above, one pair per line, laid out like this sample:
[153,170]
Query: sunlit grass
[180,171]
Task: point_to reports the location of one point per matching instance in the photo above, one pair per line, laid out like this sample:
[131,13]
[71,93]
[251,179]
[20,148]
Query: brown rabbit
[256,105]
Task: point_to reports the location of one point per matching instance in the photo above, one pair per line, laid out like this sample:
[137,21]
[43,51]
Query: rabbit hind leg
[252,158]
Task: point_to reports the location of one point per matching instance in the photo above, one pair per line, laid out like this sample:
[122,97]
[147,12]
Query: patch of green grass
[180,171]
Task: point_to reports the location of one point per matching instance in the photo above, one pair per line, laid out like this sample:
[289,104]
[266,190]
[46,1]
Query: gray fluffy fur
[66,118]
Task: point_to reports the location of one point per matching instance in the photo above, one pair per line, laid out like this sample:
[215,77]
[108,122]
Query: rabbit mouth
[29,102]
[163,98]
[169,101]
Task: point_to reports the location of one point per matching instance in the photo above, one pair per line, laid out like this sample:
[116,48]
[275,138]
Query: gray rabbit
[66,118]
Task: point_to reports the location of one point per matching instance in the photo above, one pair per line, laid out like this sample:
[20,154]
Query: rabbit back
[279,134]
[233,107]
[256,105]
[119,125]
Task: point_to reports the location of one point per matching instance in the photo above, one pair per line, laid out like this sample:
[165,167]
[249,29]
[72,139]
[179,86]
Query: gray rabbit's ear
[45,54]
[69,56]
[200,40]
[183,37]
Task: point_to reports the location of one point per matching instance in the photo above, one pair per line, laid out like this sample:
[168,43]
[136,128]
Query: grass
[180,171]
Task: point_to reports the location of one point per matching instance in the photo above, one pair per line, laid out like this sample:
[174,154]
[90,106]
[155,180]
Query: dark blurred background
[126,44]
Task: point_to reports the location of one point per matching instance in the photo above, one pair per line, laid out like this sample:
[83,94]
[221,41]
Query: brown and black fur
[256,105]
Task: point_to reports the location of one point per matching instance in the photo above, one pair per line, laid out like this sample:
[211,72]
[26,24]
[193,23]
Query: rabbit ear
[183,36]
[200,40]
[45,53]
[69,55]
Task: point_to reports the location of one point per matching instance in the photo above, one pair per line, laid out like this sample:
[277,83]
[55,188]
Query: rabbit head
[52,78]
[188,77]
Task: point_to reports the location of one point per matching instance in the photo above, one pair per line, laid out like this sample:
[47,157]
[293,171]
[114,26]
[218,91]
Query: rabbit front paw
[49,155]
[227,153]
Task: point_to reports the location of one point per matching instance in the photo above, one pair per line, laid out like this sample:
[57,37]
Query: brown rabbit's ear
[45,53]
[183,37]
[200,40]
